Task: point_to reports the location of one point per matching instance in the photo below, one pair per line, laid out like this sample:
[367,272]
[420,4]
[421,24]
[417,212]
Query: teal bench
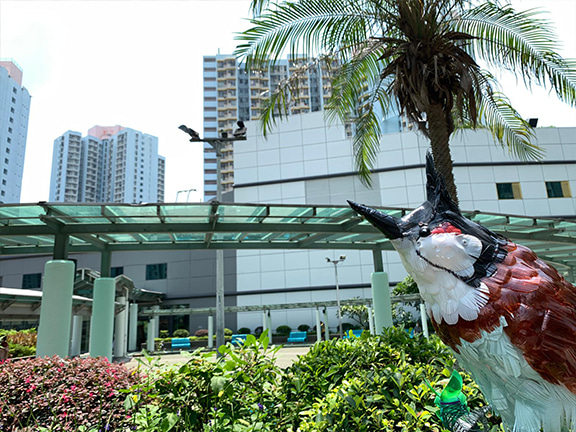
[297,337]
[238,339]
[180,343]
[353,333]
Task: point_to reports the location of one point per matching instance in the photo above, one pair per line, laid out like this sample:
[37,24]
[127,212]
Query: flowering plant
[64,394]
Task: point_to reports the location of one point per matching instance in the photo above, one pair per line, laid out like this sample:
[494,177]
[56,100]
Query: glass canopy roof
[32,228]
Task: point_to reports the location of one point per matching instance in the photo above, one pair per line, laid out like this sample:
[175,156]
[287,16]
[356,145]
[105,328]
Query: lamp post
[217,144]
[336,262]
[184,191]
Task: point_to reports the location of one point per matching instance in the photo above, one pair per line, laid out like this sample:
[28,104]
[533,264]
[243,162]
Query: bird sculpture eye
[424,231]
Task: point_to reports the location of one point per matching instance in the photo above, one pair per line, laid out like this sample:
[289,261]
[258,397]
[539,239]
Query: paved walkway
[284,358]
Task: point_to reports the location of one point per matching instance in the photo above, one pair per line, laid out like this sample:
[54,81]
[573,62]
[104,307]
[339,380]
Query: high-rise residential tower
[14,112]
[231,94]
[110,164]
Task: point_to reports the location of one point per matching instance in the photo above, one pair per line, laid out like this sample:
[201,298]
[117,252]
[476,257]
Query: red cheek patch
[446,227]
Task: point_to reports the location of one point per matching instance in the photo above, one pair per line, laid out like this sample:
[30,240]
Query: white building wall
[306,161]
[14,113]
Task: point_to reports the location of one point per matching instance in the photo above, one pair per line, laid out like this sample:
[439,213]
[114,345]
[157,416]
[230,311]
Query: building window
[9,139]
[156,271]
[509,191]
[10,130]
[116,271]
[14,90]
[5,171]
[12,110]
[7,150]
[558,189]
[3,182]
[32,280]
[13,100]
[11,120]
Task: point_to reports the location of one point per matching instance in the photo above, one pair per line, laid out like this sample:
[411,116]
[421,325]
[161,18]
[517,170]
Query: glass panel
[33,280]
[156,271]
[505,191]
[554,190]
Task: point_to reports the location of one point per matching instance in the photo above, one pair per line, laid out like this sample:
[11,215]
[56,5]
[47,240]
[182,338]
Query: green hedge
[361,384]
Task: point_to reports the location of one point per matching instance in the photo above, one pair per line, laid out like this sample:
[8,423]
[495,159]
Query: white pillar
[424,319]
[120,330]
[133,327]
[326,329]
[381,301]
[210,331]
[156,322]
[370,319]
[264,322]
[102,323]
[76,340]
[56,309]
[151,335]
[318,326]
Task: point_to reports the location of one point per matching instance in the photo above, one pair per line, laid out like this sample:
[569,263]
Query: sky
[138,63]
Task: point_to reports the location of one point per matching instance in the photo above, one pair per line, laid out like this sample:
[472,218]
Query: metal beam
[281,306]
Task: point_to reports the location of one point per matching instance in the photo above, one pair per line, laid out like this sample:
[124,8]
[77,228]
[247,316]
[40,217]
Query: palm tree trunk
[438,129]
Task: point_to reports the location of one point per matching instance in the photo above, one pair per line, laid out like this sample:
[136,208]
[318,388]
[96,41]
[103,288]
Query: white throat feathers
[438,263]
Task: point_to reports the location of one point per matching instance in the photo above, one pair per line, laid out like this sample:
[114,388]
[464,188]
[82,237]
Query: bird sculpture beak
[388,225]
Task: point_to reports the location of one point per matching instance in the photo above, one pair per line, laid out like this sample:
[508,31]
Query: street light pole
[336,262]
[217,144]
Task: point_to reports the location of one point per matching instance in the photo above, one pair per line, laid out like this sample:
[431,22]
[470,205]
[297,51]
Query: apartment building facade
[231,93]
[14,114]
[110,164]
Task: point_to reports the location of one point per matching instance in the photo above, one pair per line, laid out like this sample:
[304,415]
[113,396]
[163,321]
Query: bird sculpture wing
[539,307]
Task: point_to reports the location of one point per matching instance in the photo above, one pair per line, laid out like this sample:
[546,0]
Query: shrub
[237,394]
[181,333]
[304,327]
[228,332]
[346,327]
[21,343]
[64,394]
[164,334]
[283,330]
[244,330]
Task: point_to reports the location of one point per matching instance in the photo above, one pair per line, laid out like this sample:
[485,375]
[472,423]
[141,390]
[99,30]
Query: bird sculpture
[509,317]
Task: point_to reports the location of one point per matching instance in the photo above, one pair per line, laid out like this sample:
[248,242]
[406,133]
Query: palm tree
[421,58]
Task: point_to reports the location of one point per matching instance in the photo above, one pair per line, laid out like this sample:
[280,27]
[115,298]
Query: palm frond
[506,124]
[306,27]
[522,43]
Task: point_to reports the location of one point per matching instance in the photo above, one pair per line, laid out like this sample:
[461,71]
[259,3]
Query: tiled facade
[306,161]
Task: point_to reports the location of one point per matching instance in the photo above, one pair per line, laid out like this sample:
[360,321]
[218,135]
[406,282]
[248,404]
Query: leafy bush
[234,394]
[244,330]
[181,333]
[228,332]
[283,330]
[164,334]
[346,327]
[371,383]
[303,327]
[201,332]
[21,343]
[64,394]
[361,384]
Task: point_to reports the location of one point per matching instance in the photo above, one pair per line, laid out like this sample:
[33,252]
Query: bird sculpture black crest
[509,317]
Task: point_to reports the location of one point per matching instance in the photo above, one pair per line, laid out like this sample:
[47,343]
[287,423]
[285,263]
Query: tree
[420,57]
